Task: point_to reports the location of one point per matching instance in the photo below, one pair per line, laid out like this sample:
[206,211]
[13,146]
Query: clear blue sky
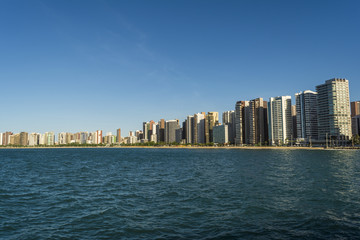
[87,65]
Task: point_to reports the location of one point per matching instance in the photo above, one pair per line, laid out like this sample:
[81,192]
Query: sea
[146,193]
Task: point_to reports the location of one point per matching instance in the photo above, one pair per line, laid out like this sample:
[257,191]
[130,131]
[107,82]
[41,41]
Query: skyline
[104,65]
[343,85]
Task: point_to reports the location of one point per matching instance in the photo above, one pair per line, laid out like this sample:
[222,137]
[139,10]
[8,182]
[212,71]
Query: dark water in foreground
[179,194]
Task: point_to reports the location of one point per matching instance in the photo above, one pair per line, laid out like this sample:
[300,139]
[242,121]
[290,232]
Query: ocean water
[179,194]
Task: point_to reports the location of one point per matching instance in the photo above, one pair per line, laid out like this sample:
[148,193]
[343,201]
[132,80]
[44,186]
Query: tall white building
[228,118]
[306,115]
[41,139]
[49,138]
[34,139]
[62,138]
[280,120]
[153,132]
[132,139]
[334,119]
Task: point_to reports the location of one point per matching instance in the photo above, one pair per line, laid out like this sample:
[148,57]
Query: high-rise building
[83,137]
[161,131]
[98,137]
[170,130]
[228,118]
[49,138]
[246,122]
[334,118]
[15,139]
[241,121]
[91,138]
[212,119]
[41,139]
[355,111]
[280,120]
[70,138]
[138,134]
[132,139]
[189,129]
[109,138]
[34,139]
[77,137]
[148,129]
[6,138]
[306,115]
[355,108]
[178,135]
[293,117]
[62,138]
[19,139]
[118,135]
[183,134]
[199,128]
[23,138]
[258,130]
[153,130]
[220,134]
[355,121]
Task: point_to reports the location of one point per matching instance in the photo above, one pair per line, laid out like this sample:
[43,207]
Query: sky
[84,65]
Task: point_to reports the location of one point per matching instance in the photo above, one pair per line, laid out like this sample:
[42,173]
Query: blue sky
[88,65]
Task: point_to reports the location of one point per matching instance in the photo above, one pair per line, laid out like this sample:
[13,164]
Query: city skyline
[225,119]
[316,117]
[104,64]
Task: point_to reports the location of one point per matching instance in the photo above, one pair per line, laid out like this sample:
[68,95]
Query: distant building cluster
[48,138]
[317,117]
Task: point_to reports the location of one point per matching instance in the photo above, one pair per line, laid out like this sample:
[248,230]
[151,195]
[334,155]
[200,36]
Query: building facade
[98,137]
[6,138]
[118,135]
[49,138]
[221,134]
[356,125]
[62,138]
[199,128]
[355,108]
[242,119]
[280,120]
[306,115]
[355,111]
[212,119]
[334,120]
[189,122]
[228,118]
[170,130]
[258,130]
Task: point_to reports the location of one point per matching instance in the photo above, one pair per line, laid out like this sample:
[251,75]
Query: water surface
[179,194]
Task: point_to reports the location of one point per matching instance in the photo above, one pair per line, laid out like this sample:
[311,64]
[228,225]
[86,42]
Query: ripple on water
[179,194]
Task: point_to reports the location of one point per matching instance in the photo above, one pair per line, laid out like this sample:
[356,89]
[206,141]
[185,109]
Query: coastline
[192,147]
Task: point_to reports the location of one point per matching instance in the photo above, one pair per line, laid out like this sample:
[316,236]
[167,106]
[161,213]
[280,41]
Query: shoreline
[192,147]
